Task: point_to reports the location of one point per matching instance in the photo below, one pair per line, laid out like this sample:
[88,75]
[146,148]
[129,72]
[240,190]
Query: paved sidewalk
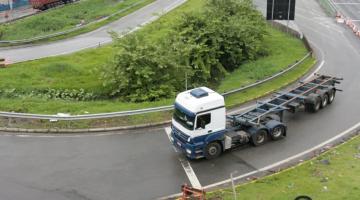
[17,13]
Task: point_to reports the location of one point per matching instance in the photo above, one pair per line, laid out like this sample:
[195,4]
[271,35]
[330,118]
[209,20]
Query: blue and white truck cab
[198,119]
[200,127]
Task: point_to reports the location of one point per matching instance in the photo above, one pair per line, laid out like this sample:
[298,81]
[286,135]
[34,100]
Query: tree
[140,70]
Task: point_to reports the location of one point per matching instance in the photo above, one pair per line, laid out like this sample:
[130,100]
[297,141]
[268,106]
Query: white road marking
[186,165]
[349,3]
[168,132]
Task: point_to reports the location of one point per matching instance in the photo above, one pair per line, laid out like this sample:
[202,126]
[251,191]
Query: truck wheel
[314,107]
[324,101]
[278,132]
[212,150]
[331,96]
[260,137]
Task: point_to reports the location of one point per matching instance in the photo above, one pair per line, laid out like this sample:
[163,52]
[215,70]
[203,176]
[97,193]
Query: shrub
[205,45]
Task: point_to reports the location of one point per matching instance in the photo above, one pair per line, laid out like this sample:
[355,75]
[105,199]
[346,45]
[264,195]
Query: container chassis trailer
[265,121]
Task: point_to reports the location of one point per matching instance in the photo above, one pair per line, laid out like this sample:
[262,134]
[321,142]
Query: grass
[333,175]
[67,17]
[63,72]
[284,50]
[79,70]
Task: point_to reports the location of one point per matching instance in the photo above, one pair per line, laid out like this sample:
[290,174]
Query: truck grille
[179,135]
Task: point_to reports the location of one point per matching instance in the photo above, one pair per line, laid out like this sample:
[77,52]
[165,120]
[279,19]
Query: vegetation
[331,176]
[68,17]
[205,44]
[54,85]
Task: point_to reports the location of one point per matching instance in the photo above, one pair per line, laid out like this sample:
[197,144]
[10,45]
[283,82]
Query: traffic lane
[305,130]
[218,169]
[91,39]
[129,166]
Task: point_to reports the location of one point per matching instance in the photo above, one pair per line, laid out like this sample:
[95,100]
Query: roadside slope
[91,39]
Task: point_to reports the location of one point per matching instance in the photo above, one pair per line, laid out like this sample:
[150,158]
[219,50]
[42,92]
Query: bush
[140,70]
[205,45]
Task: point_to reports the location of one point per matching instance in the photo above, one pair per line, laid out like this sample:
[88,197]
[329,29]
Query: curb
[88,130]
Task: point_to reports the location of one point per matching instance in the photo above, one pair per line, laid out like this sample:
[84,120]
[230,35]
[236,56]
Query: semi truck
[200,127]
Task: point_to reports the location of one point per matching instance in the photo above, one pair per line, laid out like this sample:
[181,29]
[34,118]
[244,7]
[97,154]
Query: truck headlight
[171,138]
[188,151]
[189,139]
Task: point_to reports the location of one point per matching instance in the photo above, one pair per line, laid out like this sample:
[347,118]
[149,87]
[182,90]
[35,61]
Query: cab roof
[200,99]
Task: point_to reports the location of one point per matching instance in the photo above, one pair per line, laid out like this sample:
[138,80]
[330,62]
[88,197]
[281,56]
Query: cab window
[203,120]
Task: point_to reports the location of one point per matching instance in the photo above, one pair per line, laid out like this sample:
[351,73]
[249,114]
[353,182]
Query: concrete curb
[88,130]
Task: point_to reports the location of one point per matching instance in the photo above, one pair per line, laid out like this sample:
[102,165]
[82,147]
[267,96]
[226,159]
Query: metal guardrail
[269,78]
[66,117]
[34,39]
[328,6]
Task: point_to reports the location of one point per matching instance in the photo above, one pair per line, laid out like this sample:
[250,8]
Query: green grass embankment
[333,175]
[80,71]
[68,17]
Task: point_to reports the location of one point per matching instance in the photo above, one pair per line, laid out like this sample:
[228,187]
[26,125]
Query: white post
[10,4]
[273,7]
[233,184]
[186,83]
[288,18]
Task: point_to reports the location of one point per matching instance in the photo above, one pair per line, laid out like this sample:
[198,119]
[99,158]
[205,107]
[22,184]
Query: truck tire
[324,100]
[260,137]
[314,106]
[277,129]
[331,96]
[212,150]
[278,132]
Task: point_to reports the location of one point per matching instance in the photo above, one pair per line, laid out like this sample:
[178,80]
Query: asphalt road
[350,8]
[143,165]
[91,39]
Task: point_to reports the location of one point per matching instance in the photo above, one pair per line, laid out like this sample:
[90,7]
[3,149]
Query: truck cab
[199,118]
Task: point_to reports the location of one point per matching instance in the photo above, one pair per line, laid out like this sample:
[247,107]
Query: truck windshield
[184,119]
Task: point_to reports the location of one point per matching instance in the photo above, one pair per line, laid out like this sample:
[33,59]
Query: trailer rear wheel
[278,132]
[260,137]
[324,101]
[331,96]
[212,150]
[314,107]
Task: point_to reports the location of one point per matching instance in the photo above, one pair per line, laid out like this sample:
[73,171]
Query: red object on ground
[192,193]
[43,4]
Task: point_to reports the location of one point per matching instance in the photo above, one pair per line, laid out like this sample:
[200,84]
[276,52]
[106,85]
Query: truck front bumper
[191,151]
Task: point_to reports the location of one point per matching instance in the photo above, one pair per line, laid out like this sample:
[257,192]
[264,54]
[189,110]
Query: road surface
[142,164]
